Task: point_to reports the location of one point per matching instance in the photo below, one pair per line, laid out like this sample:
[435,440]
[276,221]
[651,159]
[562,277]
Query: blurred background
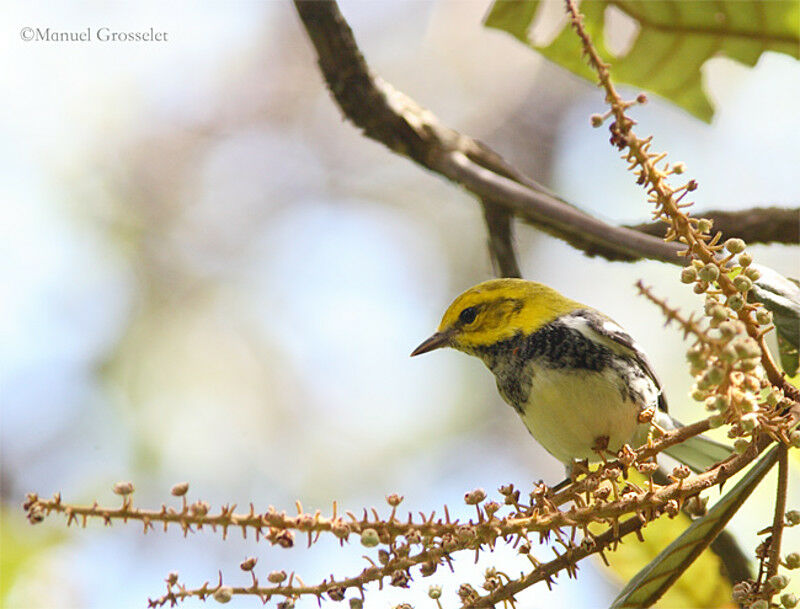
[208,276]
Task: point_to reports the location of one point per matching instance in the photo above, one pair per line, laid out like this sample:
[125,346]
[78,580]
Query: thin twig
[774,555]
[501,239]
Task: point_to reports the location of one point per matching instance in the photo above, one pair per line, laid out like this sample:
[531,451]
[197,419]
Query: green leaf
[702,585]
[781,296]
[650,583]
[675,39]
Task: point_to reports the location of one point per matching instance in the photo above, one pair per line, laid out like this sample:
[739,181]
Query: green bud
[735,246]
[688,275]
[223,594]
[743,283]
[695,355]
[722,402]
[735,302]
[764,317]
[370,538]
[728,354]
[793,517]
[749,364]
[715,375]
[718,420]
[718,312]
[748,403]
[703,385]
[789,600]
[727,329]
[759,604]
[749,422]
[700,287]
[435,592]
[752,274]
[778,582]
[704,224]
[794,439]
[740,445]
[747,347]
[356,603]
[597,120]
[792,560]
[709,272]
[773,398]
[745,260]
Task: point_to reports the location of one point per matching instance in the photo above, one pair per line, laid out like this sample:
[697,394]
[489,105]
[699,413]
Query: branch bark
[754,225]
[501,239]
[397,121]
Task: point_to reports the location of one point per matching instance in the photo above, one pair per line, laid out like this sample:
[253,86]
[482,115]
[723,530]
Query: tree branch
[754,225]
[774,552]
[501,239]
[392,118]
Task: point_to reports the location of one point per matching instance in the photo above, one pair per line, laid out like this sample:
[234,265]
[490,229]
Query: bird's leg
[573,470]
[600,447]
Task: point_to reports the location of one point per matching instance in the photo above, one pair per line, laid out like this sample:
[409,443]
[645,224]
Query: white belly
[568,411]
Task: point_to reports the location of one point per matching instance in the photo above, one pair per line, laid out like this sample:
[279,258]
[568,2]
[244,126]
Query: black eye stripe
[467,316]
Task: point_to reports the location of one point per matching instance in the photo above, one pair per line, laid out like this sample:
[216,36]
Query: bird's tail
[698,452]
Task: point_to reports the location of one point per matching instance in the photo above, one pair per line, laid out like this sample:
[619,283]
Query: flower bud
[789,600]
[735,246]
[123,488]
[745,260]
[276,577]
[764,317]
[792,560]
[180,489]
[223,594]
[370,538]
[793,517]
[718,420]
[475,497]
[394,499]
[778,582]
[735,302]
[709,272]
[688,275]
[749,422]
[752,273]
[740,446]
[743,283]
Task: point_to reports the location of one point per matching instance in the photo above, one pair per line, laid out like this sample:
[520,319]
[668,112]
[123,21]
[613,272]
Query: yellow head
[496,310]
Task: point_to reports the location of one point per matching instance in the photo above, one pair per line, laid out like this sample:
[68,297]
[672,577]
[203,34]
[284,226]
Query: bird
[578,381]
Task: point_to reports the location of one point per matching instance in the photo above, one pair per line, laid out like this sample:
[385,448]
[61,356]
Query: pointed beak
[437,341]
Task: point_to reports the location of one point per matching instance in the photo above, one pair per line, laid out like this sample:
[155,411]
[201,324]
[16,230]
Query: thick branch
[755,225]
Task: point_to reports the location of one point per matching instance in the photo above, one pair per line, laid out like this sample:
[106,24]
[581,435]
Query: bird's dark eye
[468,315]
